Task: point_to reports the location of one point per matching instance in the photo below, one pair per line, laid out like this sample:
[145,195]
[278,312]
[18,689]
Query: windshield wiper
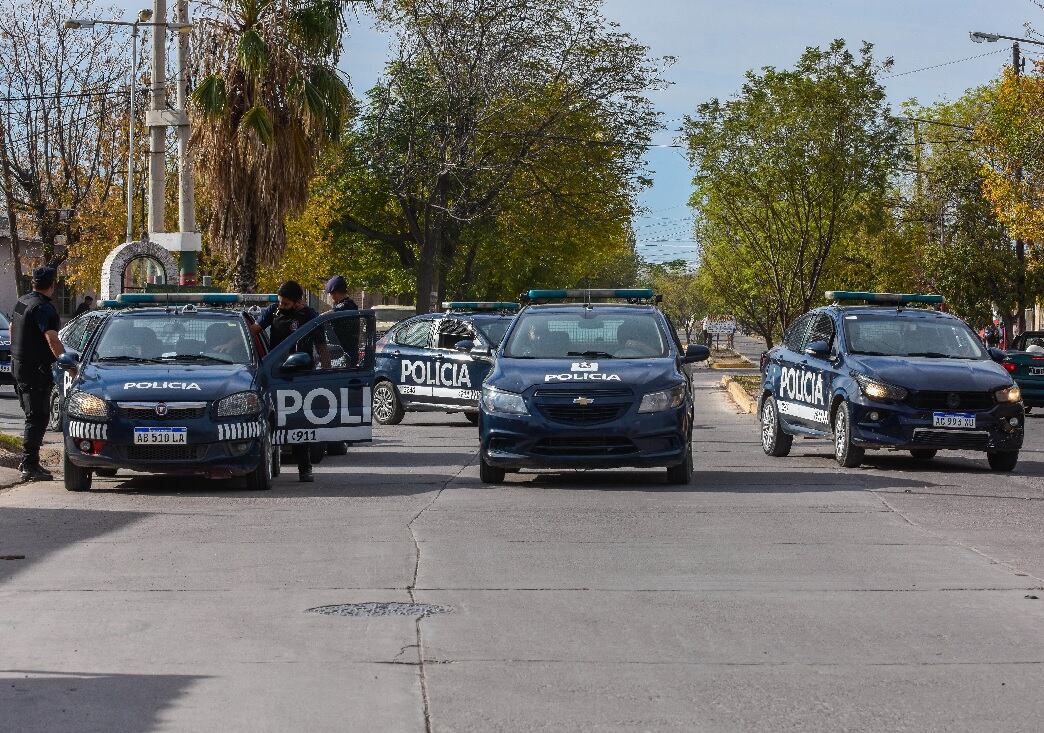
[870,353]
[937,355]
[197,357]
[127,357]
[592,354]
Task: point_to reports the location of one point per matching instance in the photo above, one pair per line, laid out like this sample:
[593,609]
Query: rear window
[174,337]
[588,334]
[493,329]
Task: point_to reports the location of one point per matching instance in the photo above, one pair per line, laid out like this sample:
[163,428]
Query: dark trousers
[36,404]
[303,456]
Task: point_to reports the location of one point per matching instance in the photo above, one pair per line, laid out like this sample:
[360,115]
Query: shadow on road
[34,700]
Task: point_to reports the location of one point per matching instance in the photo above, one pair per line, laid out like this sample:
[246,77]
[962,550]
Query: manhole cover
[381,609]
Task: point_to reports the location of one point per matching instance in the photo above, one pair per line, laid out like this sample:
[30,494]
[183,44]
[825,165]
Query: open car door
[321,377]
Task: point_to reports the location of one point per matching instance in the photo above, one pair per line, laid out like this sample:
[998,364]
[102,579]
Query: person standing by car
[34,348]
[83,307]
[285,317]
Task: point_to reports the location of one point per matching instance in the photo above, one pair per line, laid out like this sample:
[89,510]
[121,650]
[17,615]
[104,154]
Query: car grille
[580,415]
[969,439]
[559,406]
[143,412]
[942,400]
[596,446]
[164,452]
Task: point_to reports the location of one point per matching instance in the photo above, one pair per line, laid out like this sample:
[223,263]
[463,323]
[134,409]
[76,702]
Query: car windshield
[188,338]
[493,329]
[941,338]
[587,333]
[1030,341]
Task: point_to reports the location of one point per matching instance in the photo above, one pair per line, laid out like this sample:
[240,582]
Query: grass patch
[751,383]
[11,443]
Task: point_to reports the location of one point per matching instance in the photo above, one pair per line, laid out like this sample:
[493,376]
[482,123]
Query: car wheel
[260,479]
[54,418]
[774,441]
[682,473]
[386,407]
[490,474]
[76,478]
[472,417]
[847,455]
[923,454]
[337,448]
[106,472]
[1003,460]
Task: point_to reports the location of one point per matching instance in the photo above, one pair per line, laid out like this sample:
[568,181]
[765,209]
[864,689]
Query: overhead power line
[954,61]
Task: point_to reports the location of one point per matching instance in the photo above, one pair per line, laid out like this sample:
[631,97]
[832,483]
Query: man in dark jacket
[83,307]
[34,348]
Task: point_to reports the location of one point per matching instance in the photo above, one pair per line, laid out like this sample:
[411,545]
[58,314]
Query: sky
[717,41]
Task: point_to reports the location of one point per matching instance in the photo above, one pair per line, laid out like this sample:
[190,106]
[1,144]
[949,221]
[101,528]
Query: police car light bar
[461,305]
[891,298]
[591,293]
[195,298]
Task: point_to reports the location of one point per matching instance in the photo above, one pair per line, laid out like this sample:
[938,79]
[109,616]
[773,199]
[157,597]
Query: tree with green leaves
[267,102]
[796,163]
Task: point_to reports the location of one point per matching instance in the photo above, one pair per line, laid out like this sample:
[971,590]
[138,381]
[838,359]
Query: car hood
[642,375]
[923,374]
[173,383]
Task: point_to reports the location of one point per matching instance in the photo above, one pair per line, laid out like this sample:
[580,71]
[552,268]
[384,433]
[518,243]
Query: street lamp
[143,19]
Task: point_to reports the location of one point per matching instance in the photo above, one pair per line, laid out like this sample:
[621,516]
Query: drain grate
[382,609]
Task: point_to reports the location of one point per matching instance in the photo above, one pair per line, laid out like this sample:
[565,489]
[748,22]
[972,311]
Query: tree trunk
[245,278]
[12,218]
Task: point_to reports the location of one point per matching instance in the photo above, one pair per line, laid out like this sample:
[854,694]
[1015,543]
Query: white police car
[177,384]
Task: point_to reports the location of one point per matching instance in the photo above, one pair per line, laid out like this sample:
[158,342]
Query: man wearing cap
[34,348]
[347,331]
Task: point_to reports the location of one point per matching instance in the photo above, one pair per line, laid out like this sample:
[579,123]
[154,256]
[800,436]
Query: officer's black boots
[306,477]
[31,470]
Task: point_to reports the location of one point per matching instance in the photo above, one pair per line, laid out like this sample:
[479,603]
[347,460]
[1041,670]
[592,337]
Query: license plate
[5,367]
[160,436]
[1036,371]
[953,419]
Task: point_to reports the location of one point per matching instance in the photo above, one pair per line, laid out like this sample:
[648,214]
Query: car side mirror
[818,349]
[464,346]
[695,353]
[997,355]
[298,362]
[69,360]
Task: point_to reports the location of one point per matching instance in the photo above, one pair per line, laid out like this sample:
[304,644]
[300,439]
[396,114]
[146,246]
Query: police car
[437,361]
[5,351]
[177,384]
[588,385]
[884,375]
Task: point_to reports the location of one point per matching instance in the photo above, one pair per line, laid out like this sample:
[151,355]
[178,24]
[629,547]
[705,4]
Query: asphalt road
[771,594]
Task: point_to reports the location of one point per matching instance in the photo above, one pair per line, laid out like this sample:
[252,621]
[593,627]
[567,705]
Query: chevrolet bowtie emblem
[584,401]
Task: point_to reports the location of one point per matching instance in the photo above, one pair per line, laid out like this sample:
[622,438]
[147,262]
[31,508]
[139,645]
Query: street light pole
[130,134]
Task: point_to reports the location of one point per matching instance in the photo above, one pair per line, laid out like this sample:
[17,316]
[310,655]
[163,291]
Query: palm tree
[267,102]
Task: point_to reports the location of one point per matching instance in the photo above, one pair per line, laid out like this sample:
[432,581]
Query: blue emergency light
[187,298]
[629,293]
[839,296]
[477,306]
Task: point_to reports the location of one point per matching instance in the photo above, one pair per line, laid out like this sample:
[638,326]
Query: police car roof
[890,311]
[194,312]
[572,307]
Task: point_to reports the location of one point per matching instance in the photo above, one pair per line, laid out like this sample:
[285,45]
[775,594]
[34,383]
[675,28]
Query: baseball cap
[336,284]
[43,277]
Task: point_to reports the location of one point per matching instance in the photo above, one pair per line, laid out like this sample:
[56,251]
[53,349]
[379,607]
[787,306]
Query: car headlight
[664,400]
[84,405]
[877,390]
[507,403]
[1008,394]
[238,405]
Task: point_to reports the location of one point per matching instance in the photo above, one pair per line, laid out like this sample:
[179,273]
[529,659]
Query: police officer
[34,348]
[347,331]
[285,317]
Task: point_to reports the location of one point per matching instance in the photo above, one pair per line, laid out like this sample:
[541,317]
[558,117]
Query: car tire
[386,407]
[846,454]
[490,474]
[260,479]
[774,441]
[923,454]
[1003,461]
[54,417]
[317,452]
[681,474]
[337,448]
[76,478]
[106,472]
[472,417]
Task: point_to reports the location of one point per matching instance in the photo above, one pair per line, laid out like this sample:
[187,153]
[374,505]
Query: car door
[322,397]
[816,372]
[412,362]
[789,396]
[458,375]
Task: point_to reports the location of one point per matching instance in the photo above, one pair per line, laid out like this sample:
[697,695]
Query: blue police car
[588,385]
[5,351]
[179,385]
[437,361]
[881,374]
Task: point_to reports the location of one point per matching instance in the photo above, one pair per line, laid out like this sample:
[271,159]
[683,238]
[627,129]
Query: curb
[744,401]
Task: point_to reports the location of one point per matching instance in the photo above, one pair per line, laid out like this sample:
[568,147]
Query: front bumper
[633,441]
[903,427]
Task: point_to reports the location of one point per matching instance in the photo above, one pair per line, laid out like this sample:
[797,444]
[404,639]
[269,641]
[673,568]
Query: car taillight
[1010,366]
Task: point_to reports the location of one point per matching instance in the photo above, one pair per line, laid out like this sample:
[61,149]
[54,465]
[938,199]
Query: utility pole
[157,130]
[1020,246]
[189,263]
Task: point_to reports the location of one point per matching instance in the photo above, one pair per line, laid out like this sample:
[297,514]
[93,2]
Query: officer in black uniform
[34,348]
[285,317]
[347,331]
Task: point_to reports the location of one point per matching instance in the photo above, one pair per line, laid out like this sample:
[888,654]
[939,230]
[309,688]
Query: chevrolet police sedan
[179,385]
[437,361]
[5,351]
[589,385]
[886,375]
